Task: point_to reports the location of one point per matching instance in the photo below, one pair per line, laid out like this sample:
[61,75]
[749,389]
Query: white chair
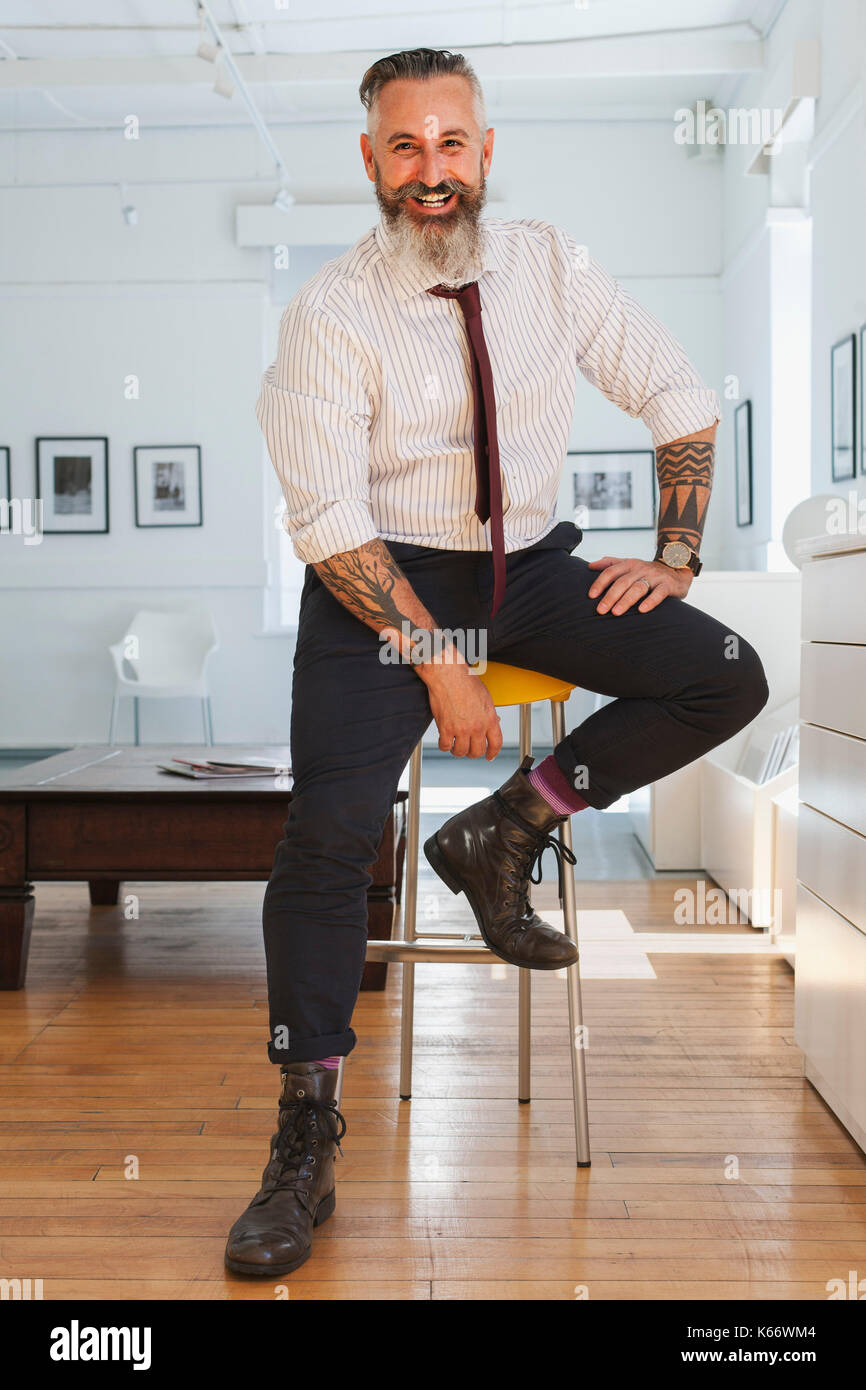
[163,656]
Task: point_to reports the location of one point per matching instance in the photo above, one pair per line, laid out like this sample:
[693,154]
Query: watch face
[676,554]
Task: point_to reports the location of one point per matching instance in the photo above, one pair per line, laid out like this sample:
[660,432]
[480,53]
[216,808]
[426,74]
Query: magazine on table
[213,768]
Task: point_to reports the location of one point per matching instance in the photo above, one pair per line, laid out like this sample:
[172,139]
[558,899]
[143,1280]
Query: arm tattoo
[363,580]
[685,472]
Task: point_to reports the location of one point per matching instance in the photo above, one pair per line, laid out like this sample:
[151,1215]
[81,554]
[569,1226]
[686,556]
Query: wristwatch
[679,556]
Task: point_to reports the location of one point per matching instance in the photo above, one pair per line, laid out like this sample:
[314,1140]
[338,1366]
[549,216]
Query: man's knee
[339,823]
[748,689]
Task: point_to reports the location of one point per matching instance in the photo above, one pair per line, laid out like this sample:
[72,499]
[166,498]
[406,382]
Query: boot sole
[437,861]
[325,1209]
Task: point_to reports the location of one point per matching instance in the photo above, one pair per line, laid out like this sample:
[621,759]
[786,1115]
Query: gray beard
[452,258]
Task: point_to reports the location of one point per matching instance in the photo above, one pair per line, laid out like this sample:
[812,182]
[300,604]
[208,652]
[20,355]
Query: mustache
[416,190]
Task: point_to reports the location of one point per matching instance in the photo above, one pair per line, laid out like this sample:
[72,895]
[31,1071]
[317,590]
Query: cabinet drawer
[833,775]
[831,860]
[830,1004]
[833,607]
[832,683]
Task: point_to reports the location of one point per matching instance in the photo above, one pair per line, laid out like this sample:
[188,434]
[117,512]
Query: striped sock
[330,1062]
[550,782]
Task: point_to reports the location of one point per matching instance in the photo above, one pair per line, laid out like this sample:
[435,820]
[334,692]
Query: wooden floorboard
[139,1045]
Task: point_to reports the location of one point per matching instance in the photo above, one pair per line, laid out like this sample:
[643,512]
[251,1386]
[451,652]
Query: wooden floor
[138,1048]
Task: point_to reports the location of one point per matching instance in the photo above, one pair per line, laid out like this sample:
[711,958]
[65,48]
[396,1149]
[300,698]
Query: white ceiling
[85,64]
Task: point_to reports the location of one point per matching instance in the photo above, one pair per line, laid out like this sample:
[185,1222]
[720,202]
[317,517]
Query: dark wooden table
[105,814]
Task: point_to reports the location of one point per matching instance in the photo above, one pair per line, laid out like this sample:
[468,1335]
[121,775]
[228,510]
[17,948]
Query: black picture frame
[843,411]
[863,398]
[138,482]
[649,505]
[5,473]
[100,441]
[743,464]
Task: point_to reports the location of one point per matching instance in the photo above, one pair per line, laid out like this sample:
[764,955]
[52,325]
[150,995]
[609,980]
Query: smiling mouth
[434,203]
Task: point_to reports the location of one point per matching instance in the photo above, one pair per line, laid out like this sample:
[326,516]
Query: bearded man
[420,442]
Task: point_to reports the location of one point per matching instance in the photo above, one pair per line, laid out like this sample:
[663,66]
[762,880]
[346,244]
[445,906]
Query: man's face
[429,162]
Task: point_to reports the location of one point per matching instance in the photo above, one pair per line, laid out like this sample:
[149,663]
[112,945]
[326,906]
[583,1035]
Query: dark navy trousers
[681,687]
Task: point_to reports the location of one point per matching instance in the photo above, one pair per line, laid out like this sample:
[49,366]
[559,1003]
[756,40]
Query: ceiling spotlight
[130,215]
[209,51]
[283,200]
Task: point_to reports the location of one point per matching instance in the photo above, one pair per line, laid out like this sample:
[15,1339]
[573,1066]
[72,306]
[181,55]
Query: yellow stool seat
[512,685]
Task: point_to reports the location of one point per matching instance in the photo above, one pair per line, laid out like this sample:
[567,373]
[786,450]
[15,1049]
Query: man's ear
[487,151]
[367,156]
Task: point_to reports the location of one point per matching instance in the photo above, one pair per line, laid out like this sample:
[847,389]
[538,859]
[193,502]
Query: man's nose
[431,168]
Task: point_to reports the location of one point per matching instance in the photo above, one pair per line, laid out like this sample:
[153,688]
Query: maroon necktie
[488,480]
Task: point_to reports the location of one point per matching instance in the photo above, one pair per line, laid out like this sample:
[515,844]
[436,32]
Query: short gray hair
[419,64]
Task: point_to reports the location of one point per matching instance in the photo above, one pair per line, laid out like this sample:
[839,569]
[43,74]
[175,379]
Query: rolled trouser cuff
[313,1049]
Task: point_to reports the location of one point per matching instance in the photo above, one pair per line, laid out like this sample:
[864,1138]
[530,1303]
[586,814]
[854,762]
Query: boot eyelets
[300,1093]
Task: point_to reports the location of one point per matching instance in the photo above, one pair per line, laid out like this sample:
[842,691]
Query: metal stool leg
[338,1094]
[410,914]
[575,1010]
[524,977]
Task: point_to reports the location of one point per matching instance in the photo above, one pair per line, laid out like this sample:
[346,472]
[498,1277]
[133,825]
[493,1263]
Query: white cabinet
[830,978]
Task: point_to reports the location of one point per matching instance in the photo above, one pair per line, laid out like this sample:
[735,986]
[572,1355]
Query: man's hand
[643,582]
[464,712]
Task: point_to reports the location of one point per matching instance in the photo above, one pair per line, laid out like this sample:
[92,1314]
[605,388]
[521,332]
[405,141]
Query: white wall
[88,300]
[836,204]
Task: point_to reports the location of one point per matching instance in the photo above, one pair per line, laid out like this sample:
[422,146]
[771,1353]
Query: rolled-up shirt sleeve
[633,359]
[315,410]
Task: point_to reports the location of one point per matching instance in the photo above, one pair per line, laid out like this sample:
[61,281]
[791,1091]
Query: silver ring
[648,585]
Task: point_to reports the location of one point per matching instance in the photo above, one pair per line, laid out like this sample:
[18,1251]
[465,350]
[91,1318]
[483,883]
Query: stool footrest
[421,950]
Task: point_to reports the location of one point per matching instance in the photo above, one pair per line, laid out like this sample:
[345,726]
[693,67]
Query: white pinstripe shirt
[367,409]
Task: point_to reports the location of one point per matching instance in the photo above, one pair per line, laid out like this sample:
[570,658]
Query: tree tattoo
[685,473]
[363,580]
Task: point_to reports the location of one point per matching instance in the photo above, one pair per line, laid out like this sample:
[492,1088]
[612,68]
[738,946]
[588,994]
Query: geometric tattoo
[685,473]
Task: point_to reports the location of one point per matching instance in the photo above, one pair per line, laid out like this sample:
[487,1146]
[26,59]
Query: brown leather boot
[489,852]
[275,1233]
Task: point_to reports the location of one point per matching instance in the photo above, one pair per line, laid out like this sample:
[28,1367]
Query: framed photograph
[614,490]
[5,474]
[167,484]
[863,398]
[743,462]
[842,407]
[72,481]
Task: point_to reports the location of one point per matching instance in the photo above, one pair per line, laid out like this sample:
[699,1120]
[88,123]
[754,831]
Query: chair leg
[410,917]
[577,1040]
[524,977]
[135,711]
[112,725]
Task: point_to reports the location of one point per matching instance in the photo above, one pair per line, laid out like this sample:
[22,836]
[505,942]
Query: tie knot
[467,297]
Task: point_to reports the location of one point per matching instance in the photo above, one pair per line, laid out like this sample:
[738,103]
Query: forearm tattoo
[685,472]
[363,580]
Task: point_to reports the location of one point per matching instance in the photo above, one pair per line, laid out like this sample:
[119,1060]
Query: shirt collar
[405,283]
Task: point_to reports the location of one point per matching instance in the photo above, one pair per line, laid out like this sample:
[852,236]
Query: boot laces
[298,1135]
[526,855]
